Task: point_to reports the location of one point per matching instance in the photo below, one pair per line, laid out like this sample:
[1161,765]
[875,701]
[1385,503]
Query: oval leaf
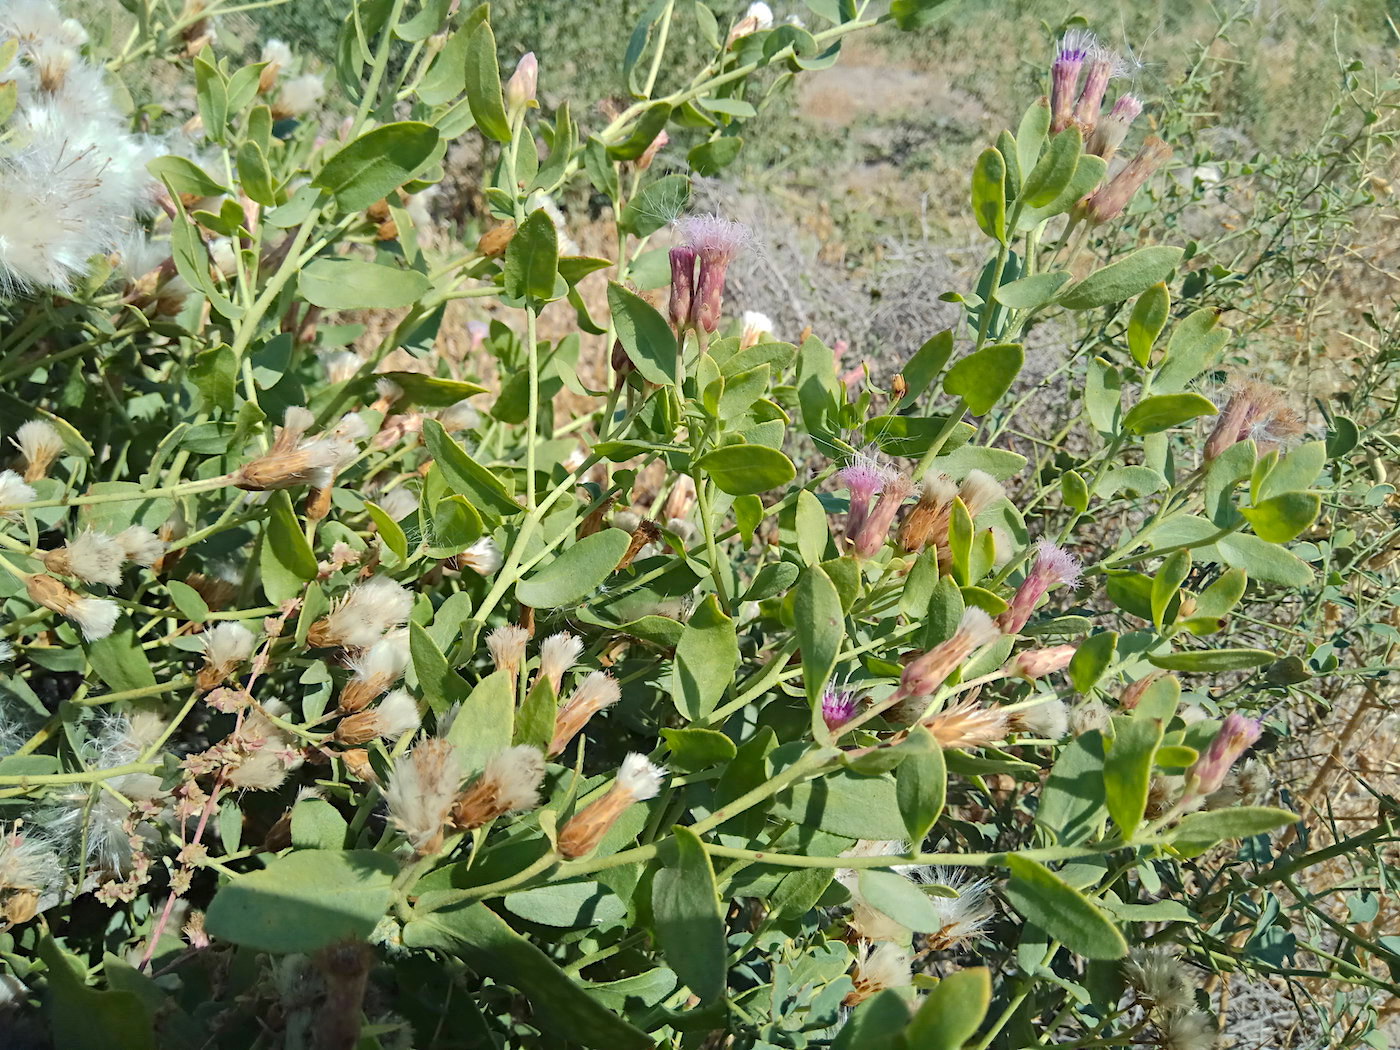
[1045,899]
[747,469]
[577,573]
[377,163]
[1120,281]
[689,924]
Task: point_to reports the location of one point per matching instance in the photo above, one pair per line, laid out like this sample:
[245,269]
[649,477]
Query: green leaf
[287,561]
[316,824]
[255,176]
[534,725]
[1161,412]
[1030,293]
[185,177]
[812,529]
[119,660]
[455,526]
[1072,804]
[487,724]
[304,901]
[1030,135]
[1146,322]
[1193,345]
[820,629]
[915,14]
[559,1006]
[952,1012]
[1295,471]
[651,123]
[211,95]
[989,194]
[746,469]
[689,924]
[188,601]
[982,377]
[466,476]
[773,579]
[921,784]
[576,574]
[83,1018]
[532,259]
[706,657]
[1075,491]
[893,895]
[1234,823]
[1222,595]
[1283,518]
[439,685]
[1264,561]
[483,84]
[1212,661]
[431,391]
[568,905]
[693,749]
[377,163]
[1127,770]
[876,1024]
[389,530]
[353,284]
[712,157]
[925,365]
[1117,282]
[1045,899]
[656,205]
[1091,660]
[1167,581]
[846,804]
[644,334]
[1053,171]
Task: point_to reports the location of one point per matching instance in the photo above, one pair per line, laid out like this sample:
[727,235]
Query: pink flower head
[838,706]
[1111,132]
[927,672]
[1104,65]
[1036,663]
[683,258]
[1109,200]
[718,241]
[865,477]
[875,529]
[1053,564]
[1236,736]
[1064,76]
[1257,411]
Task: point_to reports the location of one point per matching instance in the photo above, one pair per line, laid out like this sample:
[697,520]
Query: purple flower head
[717,241]
[1111,132]
[838,707]
[1064,76]
[1104,65]
[1236,735]
[865,477]
[1053,564]
[875,529]
[683,259]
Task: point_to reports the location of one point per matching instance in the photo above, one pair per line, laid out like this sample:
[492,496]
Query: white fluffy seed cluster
[73,180]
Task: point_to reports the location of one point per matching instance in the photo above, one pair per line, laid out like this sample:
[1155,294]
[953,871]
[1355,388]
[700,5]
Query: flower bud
[683,258]
[637,781]
[1064,77]
[1108,201]
[927,672]
[1037,663]
[1236,736]
[520,89]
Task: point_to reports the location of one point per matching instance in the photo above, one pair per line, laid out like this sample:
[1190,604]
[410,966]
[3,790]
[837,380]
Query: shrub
[359,699]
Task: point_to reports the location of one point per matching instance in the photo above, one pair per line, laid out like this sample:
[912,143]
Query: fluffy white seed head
[483,557]
[398,714]
[277,51]
[460,416]
[976,628]
[7,653]
[398,503]
[422,788]
[879,966]
[516,774]
[367,611]
[597,691]
[141,545]
[14,493]
[383,662]
[963,917]
[507,646]
[979,490]
[300,95]
[341,365]
[27,860]
[638,778]
[1049,720]
[95,617]
[558,653]
[95,557]
[1157,975]
[40,443]
[228,644]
